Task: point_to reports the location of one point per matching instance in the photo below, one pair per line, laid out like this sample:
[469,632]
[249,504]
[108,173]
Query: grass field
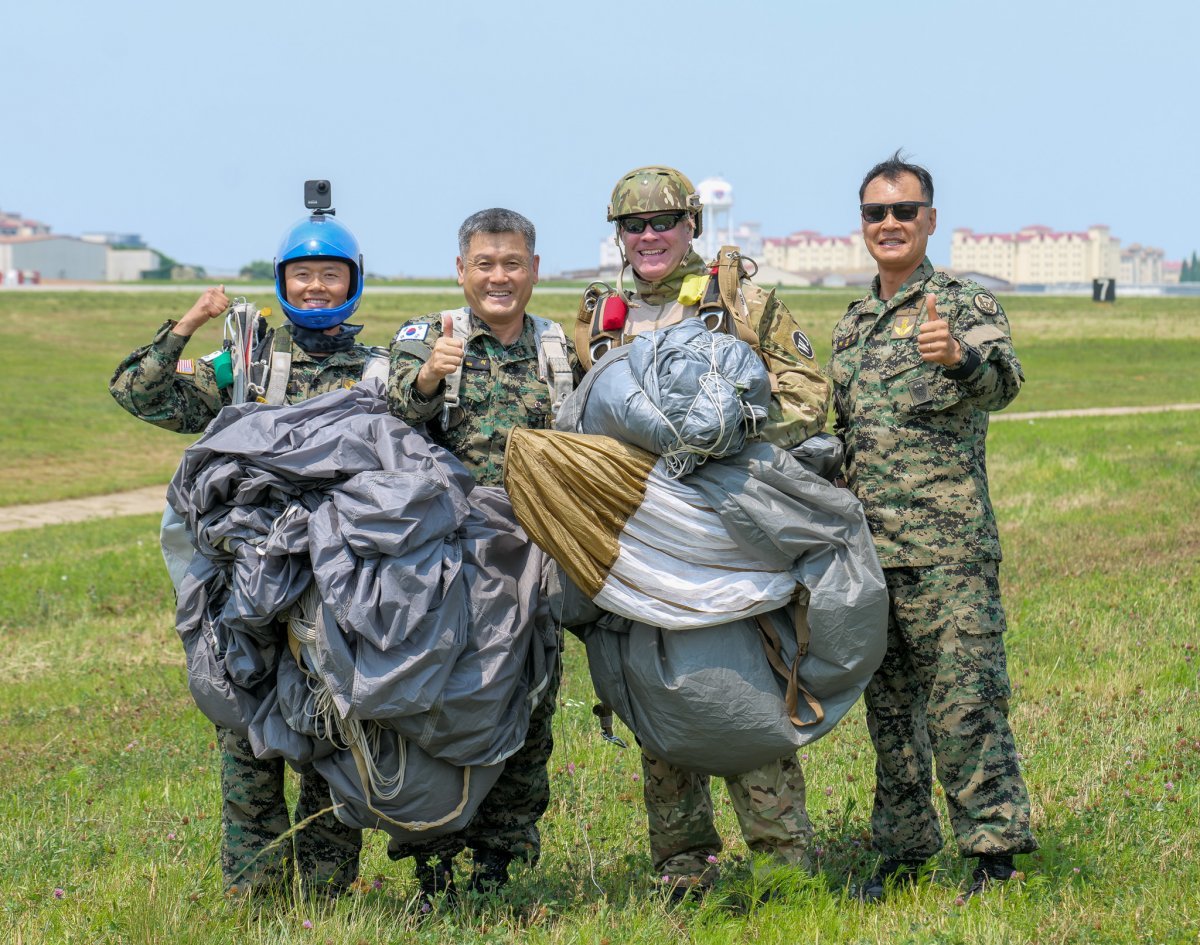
[108,811]
[65,437]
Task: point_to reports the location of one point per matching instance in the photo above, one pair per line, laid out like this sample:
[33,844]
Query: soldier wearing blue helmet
[319,280]
[317,238]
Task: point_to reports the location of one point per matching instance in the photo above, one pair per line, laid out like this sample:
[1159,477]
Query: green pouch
[222,366]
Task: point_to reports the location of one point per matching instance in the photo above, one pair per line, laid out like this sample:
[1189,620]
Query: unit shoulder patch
[986,304]
[803,345]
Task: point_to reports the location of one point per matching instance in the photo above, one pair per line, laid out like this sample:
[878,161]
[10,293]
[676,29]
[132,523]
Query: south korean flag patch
[415,332]
[803,345]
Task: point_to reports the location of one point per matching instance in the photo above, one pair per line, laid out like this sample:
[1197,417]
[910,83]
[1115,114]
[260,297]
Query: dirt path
[151,499]
[136,502]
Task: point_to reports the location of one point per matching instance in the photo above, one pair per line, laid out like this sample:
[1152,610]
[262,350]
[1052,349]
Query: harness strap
[281,368]
[554,366]
[462,328]
[377,366]
[773,647]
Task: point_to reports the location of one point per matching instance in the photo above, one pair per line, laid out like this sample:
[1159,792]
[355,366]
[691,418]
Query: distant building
[1141,265]
[13,224]
[1172,269]
[54,257]
[123,240]
[810,252]
[1039,255]
[130,265]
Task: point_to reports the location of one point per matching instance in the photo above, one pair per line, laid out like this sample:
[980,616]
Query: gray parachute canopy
[356,604]
[683,392]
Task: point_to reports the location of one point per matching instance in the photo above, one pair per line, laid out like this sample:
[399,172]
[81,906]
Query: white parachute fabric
[705,697]
[422,640]
[683,393]
[678,567]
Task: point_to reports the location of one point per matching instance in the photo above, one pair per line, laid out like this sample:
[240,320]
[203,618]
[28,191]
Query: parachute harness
[245,326]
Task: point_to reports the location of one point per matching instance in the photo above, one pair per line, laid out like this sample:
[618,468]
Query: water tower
[716,194]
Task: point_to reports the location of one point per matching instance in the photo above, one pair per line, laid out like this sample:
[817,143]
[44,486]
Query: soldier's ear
[932,219]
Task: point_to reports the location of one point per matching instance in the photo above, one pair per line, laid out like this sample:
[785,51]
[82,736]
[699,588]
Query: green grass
[110,775]
[64,437]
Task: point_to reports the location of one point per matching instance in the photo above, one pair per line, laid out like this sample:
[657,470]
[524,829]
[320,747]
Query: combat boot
[436,878]
[490,872]
[891,875]
[991,870]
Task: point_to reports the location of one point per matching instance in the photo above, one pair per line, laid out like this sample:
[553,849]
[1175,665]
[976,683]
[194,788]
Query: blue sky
[195,124]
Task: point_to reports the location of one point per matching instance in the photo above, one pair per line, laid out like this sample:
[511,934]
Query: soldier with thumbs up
[916,366]
[471,375]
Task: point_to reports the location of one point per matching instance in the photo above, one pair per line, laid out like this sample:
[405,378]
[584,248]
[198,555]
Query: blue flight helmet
[320,235]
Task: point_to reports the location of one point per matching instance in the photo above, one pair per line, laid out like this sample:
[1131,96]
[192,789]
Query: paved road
[152,498]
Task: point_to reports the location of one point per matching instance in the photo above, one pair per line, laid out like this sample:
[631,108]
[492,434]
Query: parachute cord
[683,457]
[344,734]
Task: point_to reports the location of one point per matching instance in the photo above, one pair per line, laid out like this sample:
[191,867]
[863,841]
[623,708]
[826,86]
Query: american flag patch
[185,366]
[413,332]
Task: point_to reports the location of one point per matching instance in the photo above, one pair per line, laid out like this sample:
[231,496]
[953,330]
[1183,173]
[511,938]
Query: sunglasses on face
[659,224]
[903,212]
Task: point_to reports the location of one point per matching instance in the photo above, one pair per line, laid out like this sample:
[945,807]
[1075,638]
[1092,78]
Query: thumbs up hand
[446,358]
[934,340]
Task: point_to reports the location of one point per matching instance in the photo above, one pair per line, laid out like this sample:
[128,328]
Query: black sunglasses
[659,224]
[904,212]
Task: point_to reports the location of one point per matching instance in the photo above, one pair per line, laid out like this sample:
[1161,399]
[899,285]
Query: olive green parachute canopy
[573,493]
[651,189]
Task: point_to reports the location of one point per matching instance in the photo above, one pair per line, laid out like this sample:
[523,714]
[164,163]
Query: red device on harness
[613,313]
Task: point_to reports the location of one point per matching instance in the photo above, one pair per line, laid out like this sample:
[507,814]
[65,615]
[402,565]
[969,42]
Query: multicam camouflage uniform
[500,390]
[802,396]
[156,385]
[769,801]
[915,436]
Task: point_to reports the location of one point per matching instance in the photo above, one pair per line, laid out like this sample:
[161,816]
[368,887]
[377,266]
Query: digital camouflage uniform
[156,385]
[915,456]
[769,801]
[500,390]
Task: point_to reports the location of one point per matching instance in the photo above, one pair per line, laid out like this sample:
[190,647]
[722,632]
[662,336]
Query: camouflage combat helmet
[648,189]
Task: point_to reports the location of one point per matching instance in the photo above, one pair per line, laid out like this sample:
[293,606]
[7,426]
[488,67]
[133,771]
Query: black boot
[891,874]
[491,871]
[436,878]
[991,870]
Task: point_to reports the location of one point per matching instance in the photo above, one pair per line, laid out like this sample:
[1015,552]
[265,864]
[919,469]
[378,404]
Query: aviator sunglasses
[903,212]
[659,224]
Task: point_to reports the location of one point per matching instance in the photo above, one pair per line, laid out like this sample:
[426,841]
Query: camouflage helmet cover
[650,189]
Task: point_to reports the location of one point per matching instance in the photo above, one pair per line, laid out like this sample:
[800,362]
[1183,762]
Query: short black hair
[495,220]
[892,168]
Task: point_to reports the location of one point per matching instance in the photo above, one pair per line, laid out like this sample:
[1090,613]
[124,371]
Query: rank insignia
[841,344]
[413,332]
[803,345]
[185,366]
[904,326]
[986,304]
[472,363]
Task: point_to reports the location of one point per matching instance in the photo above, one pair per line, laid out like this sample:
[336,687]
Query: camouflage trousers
[768,801]
[254,816]
[941,695]
[506,823]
